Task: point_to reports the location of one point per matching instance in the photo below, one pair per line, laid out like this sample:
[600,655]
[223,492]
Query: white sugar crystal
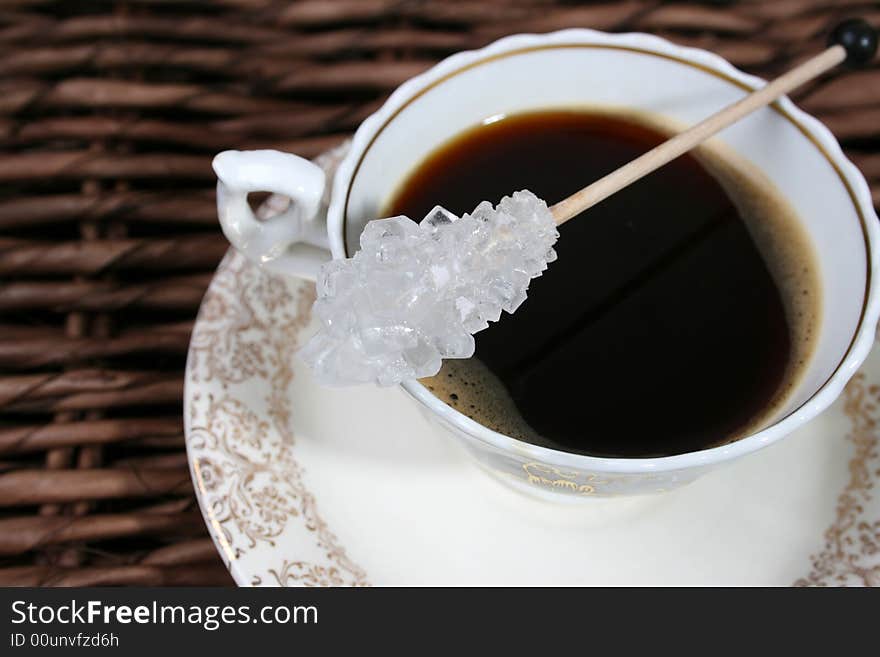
[415,293]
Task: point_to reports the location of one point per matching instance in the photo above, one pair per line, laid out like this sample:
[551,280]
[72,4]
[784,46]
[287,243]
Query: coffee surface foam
[789,254]
[474,390]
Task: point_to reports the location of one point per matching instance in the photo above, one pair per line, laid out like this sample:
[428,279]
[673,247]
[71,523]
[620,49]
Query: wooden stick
[685,141]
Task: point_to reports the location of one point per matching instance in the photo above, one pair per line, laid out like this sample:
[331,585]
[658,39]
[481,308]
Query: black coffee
[678,315]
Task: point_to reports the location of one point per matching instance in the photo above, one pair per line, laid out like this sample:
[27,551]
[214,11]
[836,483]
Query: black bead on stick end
[858,38]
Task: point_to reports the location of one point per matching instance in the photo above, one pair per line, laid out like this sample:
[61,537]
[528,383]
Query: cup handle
[294,242]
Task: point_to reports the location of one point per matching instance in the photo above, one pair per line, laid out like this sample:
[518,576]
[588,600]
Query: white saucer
[302,485]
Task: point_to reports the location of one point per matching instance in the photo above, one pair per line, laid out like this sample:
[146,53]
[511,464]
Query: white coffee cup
[580,68]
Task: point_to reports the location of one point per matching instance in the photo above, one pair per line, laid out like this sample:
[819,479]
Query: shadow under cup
[679,91]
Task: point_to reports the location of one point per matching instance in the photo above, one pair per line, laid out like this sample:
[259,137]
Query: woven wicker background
[109,114]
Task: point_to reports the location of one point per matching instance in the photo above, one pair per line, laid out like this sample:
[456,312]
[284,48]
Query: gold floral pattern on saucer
[276,499]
